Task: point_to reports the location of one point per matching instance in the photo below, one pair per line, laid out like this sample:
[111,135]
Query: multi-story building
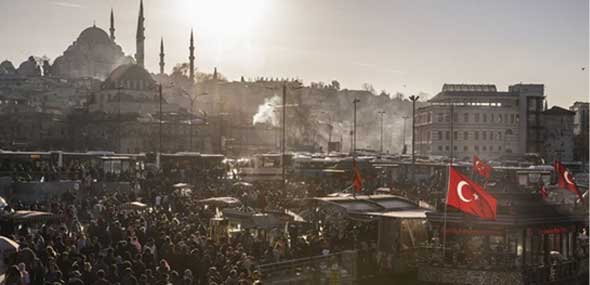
[558,134]
[485,121]
[581,118]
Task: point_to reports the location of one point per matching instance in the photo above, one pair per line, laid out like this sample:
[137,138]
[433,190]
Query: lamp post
[404,134]
[354,102]
[414,98]
[160,119]
[381,139]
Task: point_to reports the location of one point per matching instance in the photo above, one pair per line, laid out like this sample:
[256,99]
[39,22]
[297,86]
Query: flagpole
[448,185]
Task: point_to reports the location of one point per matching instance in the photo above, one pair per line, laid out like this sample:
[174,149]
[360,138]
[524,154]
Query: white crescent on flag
[567,176]
[460,191]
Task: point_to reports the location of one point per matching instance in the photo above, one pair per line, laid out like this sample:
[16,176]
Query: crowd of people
[100,241]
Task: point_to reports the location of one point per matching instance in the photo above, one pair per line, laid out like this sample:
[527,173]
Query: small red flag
[482,168]
[565,179]
[543,192]
[469,197]
[357,181]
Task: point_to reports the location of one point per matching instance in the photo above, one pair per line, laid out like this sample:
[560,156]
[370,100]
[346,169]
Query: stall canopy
[389,206]
[221,201]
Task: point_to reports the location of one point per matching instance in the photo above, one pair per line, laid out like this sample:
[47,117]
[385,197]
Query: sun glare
[224,17]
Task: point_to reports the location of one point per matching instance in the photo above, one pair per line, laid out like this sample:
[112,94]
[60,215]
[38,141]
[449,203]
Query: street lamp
[414,98]
[354,102]
[404,135]
[381,144]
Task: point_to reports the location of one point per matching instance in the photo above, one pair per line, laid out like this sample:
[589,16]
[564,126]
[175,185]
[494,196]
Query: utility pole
[119,119]
[404,133]
[354,102]
[452,132]
[283,160]
[414,98]
[381,144]
[160,123]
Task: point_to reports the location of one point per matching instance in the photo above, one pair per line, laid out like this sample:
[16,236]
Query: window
[491,135]
[499,118]
[446,147]
[440,117]
[508,131]
[466,117]
[476,117]
[447,135]
[440,135]
[492,117]
[429,117]
[447,115]
[491,148]
[512,118]
[465,148]
[465,135]
[476,148]
[484,135]
[454,147]
[485,148]
[485,118]
[499,148]
[455,135]
[499,135]
[440,147]
[476,135]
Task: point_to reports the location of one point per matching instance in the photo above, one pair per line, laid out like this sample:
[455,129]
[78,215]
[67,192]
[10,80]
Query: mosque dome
[130,76]
[94,35]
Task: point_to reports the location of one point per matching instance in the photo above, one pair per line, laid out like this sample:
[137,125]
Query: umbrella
[3,203]
[133,205]
[221,201]
[8,245]
[242,184]
[32,217]
[182,185]
[296,217]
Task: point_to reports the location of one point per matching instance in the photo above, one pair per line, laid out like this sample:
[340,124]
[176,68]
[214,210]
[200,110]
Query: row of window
[476,135]
[475,148]
[512,118]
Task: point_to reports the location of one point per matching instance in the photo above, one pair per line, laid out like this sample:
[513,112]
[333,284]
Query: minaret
[162,56]
[112,29]
[191,59]
[215,73]
[140,38]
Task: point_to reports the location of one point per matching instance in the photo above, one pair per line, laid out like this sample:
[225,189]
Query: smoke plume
[266,112]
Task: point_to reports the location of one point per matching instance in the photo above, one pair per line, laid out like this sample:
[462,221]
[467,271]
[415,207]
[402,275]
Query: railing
[338,267]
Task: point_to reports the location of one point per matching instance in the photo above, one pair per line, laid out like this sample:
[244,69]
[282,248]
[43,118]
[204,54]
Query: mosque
[129,88]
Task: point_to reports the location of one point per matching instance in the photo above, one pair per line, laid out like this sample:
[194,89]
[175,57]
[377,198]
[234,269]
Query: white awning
[403,214]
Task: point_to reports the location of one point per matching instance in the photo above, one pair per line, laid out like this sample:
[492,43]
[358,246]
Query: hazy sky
[419,44]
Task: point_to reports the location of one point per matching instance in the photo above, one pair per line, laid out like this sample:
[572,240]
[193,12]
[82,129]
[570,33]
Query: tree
[368,87]
[335,84]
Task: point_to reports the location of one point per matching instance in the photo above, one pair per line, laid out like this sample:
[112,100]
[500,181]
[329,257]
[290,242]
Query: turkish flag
[357,181]
[482,168]
[469,197]
[565,179]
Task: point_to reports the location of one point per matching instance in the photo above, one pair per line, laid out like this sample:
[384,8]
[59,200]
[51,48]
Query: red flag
[469,197]
[482,168]
[565,179]
[357,181]
[543,192]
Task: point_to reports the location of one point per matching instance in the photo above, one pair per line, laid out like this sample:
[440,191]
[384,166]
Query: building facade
[463,120]
[558,134]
